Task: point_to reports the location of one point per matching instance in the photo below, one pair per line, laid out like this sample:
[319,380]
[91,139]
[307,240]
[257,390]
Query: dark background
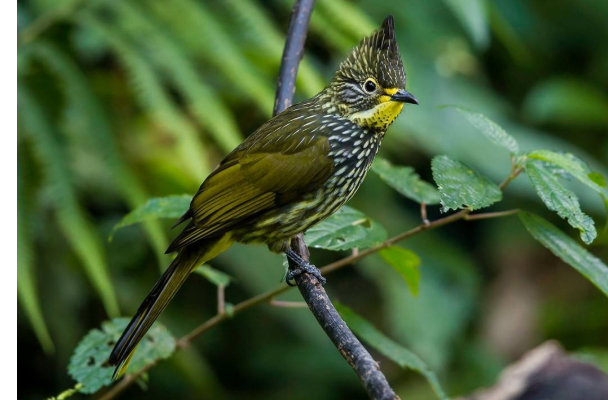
[181,82]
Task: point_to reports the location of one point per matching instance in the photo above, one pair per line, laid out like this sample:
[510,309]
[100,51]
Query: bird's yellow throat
[382,115]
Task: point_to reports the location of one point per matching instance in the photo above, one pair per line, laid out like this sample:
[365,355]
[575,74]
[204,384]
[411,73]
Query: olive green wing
[259,175]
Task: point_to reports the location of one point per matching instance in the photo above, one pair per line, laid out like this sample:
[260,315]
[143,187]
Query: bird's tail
[161,294]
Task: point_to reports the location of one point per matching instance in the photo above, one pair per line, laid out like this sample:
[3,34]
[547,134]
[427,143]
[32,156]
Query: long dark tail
[160,295]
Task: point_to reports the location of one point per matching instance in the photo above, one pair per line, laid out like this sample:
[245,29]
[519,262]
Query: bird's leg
[302,266]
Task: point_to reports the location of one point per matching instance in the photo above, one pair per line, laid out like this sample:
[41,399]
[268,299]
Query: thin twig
[288,304]
[221,303]
[497,214]
[515,171]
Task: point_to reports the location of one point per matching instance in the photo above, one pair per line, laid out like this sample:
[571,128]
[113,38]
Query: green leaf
[346,229]
[567,249]
[389,348]
[218,278]
[159,207]
[406,263]
[472,14]
[559,199]
[406,181]
[489,129]
[462,187]
[574,166]
[88,364]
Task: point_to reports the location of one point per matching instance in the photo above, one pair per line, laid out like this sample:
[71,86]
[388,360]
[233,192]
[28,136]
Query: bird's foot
[303,266]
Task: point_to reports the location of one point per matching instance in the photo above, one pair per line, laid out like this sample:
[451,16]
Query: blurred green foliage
[121,101]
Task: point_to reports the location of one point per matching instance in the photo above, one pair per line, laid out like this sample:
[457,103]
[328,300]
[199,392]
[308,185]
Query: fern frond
[93,126]
[254,22]
[167,54]
[72,219]
[154,100]
[352,20]
[26,278]
[195,26]
[326,29]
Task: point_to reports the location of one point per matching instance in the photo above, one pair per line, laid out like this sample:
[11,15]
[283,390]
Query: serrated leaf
[567,249]
[462,187]
[389,348]
[346,229]
[559,199]
[218,278]
[406,181]
[406,263]
[574,166]
[159,207]
[88,364]
[489,129]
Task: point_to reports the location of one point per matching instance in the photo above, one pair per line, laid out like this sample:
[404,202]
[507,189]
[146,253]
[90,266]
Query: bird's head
[369,87]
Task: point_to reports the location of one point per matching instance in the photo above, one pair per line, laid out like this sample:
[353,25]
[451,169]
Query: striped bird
[294,171]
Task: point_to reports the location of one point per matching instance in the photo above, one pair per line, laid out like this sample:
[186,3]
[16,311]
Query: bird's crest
[378,56]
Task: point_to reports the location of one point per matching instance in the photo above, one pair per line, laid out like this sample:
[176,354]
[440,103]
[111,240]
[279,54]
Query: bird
[294,171]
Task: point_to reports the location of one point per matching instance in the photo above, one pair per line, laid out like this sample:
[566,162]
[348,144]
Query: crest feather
[377,56]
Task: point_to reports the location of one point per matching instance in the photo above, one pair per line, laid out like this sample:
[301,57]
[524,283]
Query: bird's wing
[273,167]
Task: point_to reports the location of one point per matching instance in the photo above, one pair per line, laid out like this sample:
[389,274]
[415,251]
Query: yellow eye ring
[370,86]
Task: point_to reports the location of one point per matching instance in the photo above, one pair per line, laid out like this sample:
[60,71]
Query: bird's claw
[302,268]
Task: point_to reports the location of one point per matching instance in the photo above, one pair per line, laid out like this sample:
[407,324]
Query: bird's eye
[369,86]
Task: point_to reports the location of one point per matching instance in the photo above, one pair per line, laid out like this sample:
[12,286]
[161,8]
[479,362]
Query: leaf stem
[423,214]
[515,171]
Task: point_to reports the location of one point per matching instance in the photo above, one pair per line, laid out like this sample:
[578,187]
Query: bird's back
[293,172]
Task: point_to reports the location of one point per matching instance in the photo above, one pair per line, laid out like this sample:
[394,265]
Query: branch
[312,291]
[292,54]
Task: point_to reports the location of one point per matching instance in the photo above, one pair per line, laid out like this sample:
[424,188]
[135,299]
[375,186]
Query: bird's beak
[404,96]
